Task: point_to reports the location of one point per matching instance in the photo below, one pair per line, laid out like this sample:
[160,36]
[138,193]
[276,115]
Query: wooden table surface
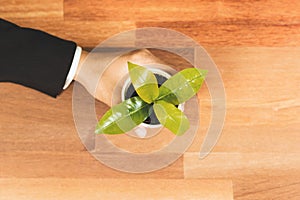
[256,45]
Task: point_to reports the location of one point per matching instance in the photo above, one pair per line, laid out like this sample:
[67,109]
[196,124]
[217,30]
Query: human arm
[34,58]
[44,62]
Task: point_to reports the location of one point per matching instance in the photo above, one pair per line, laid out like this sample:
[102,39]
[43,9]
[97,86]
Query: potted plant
[161,73]
[150,99]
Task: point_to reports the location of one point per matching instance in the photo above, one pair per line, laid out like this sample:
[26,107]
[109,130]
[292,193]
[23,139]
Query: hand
[114,73]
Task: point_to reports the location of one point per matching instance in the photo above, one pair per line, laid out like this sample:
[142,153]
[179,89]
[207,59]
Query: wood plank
[281,30]
[262,100]
[48,164]
[212,23]
[254,175]
[247,12]
[249,139]
[84,33]
[26,9]
[91,33]
[38,139]
[114,189]
[230,165]
[259,146]
[256,70]
[266,187]
[219,34]
[34,121]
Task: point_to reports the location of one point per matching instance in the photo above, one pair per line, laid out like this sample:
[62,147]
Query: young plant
[162,100]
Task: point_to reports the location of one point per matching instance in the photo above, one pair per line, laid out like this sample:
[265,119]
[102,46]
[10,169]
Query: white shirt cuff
[73,67]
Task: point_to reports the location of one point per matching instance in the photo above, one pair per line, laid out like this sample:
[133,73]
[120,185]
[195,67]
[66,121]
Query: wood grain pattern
[212,23]
[262,95]
[256,46]
[234,165]
[39,139]
[55,164]
[20,9]
[114,189]
[266,187]
[84,33]
[260,12]
[255,175]
[262,120]
[231,34]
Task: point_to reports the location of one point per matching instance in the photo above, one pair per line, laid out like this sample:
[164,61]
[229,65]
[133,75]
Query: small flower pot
[162,73]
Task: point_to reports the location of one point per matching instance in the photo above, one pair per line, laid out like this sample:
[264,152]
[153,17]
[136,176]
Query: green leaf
[182,86]
[171,117]
[124,116]
[144,82]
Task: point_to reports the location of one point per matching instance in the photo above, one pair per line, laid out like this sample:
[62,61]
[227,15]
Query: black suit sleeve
[34,58]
